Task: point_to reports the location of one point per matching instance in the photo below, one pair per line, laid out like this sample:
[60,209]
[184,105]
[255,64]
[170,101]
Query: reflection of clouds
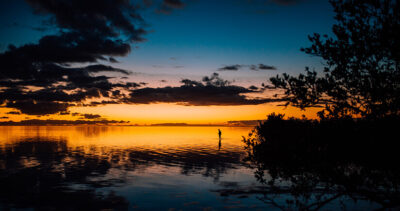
[204,161]
[37,173]
[59,156]
[93,131]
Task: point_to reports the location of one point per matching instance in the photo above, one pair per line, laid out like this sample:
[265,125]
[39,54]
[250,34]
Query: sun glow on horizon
[171,113]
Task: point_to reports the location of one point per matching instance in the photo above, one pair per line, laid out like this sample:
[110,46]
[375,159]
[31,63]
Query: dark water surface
[147,168]
[143,168]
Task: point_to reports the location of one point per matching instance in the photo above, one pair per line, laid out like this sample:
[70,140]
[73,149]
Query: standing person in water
[219,135]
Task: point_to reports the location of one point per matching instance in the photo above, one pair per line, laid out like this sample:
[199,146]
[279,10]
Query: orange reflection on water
[162,161]
[129,136]
[155,148]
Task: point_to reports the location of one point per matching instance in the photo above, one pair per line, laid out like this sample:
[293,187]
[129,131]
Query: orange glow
[110,142]
[162,138]
[162,113]
[172,113]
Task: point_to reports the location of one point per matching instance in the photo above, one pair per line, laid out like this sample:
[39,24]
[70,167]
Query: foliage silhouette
[318,162]
[349,153]
[362,63]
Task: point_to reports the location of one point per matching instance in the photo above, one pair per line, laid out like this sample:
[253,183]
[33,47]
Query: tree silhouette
[361,76]
[315,165]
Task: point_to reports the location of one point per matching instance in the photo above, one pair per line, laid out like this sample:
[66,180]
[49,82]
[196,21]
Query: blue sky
[204,35]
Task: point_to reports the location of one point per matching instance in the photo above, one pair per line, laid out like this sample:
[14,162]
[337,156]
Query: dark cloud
[4,117]
[237,67]
[89,31]
[112,60]
[90,116]
[104,68]
[252,87]
[104,102]
[168,5]
[262,67]
[13,112]
[38,108]
[266,67]
[103,17]
[64,113]
[68,47]
[57,98]
[174,3]
[210,91]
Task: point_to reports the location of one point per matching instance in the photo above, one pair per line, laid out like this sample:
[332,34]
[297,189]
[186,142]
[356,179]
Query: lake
[157,168]
[122,167]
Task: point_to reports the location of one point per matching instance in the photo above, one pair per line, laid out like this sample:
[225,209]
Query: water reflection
[121,168]
[188,168]
[38,173]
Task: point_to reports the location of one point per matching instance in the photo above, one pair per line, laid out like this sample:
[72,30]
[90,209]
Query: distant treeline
[61,122]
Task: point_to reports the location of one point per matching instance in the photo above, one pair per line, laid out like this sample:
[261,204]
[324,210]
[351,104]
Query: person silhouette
[219,142]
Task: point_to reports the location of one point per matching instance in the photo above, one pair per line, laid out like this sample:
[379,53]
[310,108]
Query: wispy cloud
[237,67]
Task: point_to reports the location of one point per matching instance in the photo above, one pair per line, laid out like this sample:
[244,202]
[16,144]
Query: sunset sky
[146,61]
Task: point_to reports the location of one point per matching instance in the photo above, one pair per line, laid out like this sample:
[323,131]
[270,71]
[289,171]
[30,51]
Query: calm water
[161,168]
[135,168]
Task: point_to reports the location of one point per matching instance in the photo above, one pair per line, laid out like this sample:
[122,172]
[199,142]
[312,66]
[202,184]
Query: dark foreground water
[135,168]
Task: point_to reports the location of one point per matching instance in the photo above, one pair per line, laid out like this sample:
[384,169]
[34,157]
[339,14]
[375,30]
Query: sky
[153,61]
